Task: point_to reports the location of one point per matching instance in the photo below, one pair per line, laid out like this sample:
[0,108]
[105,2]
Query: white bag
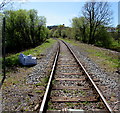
[27,60]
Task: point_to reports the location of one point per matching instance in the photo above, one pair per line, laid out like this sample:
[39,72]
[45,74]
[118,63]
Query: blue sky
[58,13]
[119,13]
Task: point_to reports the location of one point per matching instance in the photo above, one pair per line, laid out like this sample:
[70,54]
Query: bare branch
[97,14]
[4,3]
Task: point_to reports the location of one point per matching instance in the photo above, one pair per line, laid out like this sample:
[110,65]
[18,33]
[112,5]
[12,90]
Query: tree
[22,30]
[33,20]
[3,3]
[96,14]
[118,32]
[63,33]
[103,38]
[76,28]
[69,33]
[79,25]
[56,33]
[60,28]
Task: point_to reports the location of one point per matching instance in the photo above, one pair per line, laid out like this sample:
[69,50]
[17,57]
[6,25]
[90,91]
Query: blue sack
[27,60]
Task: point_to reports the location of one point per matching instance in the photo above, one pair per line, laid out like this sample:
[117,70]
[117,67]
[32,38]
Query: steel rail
[43,104]
[93,83]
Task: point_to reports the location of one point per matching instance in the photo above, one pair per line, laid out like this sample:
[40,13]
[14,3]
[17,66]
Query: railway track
[70,88]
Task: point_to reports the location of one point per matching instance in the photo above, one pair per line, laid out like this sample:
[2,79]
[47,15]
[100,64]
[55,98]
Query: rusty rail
[92,82]
[43,105]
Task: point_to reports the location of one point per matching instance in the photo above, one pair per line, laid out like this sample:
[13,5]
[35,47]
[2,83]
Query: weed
[39,84]
[49,70]
[39,91]
[82,92]
[104,58]
[76,91]
[53,82]
[19,103]
[50,106]
[99,105]
[86,103]
[45,79]
[66,91]
[49,103]
[70,104]
[27,99]
[26,109]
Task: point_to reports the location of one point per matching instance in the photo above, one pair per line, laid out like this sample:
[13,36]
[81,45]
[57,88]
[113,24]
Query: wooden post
[3,52]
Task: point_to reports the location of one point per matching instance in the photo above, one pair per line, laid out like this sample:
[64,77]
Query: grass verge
[103,57]
[12,60]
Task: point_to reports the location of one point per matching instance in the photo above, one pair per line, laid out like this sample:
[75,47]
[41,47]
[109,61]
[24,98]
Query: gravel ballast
[109,84]
[26,94]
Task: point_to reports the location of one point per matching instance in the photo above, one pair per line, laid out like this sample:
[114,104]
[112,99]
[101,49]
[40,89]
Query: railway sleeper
[75,99]
[70,88]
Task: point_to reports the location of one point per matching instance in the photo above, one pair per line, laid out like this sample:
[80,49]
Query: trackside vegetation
[24,30]
[104,58]
[12,60]
[93,27]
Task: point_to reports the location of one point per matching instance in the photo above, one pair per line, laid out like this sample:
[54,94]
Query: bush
[103,38]
[23,30]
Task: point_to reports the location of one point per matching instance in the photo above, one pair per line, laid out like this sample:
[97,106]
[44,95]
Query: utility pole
[3,52]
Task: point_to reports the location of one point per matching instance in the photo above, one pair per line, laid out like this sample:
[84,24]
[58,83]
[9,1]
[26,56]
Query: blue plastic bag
[27,60]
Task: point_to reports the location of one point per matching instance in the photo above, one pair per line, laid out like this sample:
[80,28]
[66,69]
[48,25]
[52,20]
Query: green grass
[43,81]
[50,106]
[71,41]
[12,60]
[115,46]
[104,58]
[69,104]
[39,91]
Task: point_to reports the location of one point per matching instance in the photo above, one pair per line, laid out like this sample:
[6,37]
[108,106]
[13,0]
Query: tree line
[24,29]
[93,27]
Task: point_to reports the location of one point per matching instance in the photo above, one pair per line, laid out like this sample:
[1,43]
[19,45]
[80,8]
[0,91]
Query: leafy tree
[96,14]
[1,22]
[104,38]
[22,30]
[118,32]
[69,33]
[56,33]
[60,28]
[63,33]
[33,20]
[79,25]
[76,25]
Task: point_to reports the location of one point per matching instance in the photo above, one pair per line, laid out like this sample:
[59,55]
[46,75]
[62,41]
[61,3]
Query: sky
[58,13]
[119,13]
